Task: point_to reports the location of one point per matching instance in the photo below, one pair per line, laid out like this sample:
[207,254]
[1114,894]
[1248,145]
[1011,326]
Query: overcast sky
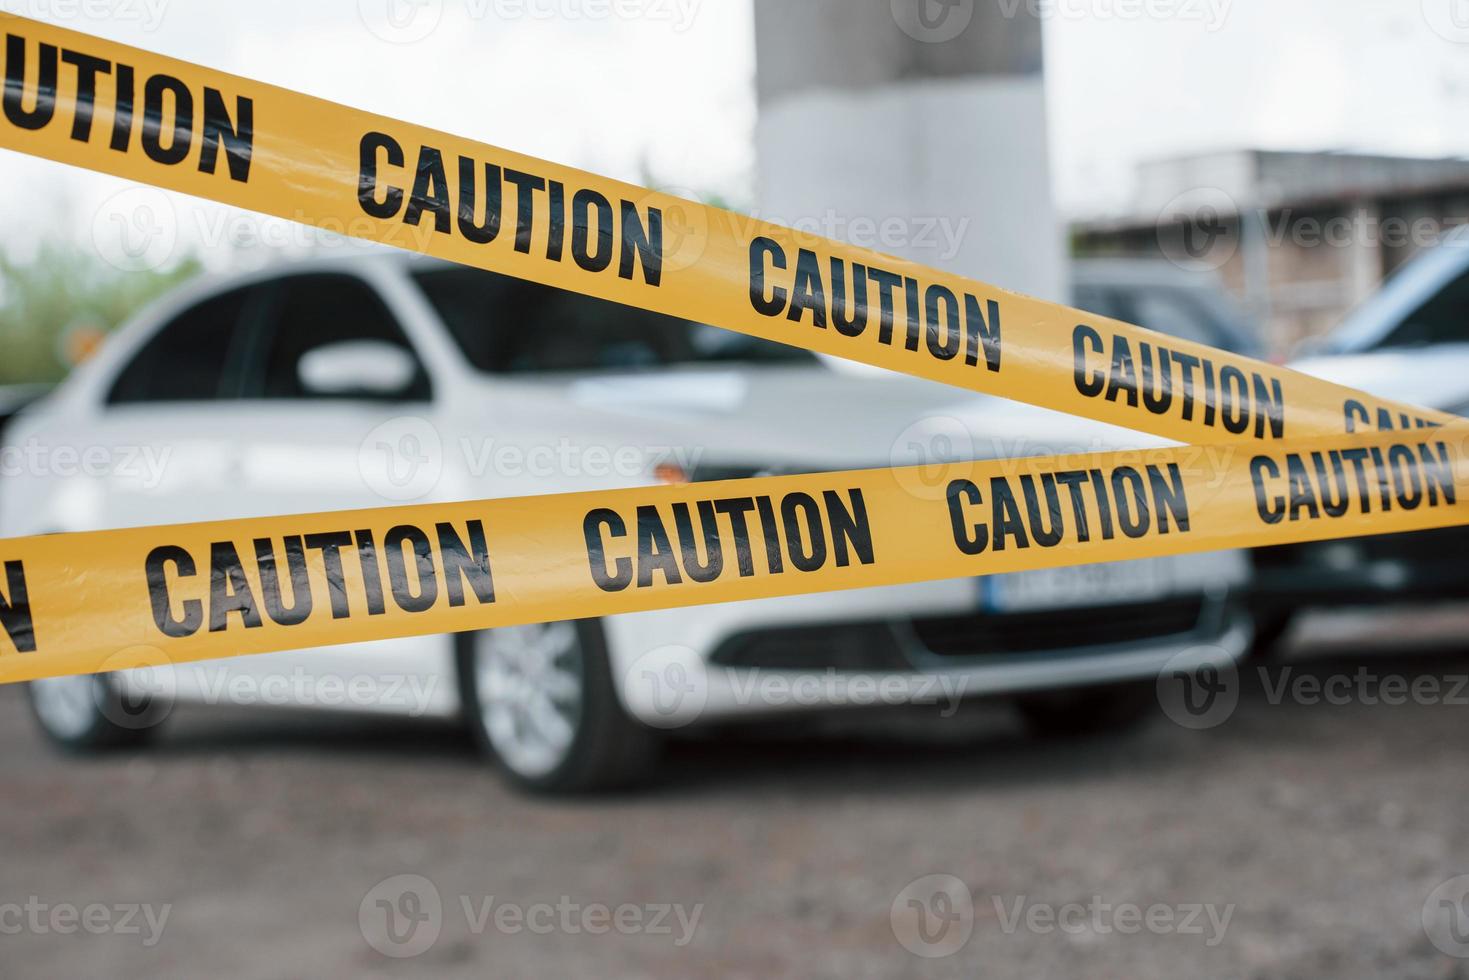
[673,92]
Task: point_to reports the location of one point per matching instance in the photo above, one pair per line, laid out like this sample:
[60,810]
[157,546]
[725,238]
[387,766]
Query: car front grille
[985,635]
[889,645]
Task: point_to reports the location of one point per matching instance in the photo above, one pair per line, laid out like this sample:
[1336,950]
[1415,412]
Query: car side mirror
[373,368]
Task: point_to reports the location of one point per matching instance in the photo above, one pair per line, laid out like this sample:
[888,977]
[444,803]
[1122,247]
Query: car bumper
[921,643]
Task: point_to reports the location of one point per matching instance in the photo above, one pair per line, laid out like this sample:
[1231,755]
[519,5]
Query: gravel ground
[1320,831]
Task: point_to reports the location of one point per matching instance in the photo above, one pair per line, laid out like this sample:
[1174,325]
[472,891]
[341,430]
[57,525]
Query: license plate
[1077,587]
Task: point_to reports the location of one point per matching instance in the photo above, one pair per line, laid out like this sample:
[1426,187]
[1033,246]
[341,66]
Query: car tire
[91,713]
[543,705]
[1270,634]
[1091,711]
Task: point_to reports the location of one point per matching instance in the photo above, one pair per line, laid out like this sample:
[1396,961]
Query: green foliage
[65,290]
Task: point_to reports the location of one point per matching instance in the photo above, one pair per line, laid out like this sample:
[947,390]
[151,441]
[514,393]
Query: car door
[166,424]
[299,450]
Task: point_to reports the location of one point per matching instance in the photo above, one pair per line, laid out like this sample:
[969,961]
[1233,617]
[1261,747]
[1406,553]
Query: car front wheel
[542,702]
[93,712]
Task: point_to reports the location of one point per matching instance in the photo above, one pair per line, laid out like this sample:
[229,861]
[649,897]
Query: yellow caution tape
[122,111]
[1287,471]
[108,599]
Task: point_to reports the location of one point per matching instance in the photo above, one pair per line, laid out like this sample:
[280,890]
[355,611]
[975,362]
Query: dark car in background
[1408,343]
[1162,297]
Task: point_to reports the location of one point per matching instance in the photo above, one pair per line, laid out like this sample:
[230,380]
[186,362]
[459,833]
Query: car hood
[813,417]
[1432,377]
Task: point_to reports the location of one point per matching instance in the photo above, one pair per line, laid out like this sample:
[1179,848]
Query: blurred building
[916,129]
[1301,238]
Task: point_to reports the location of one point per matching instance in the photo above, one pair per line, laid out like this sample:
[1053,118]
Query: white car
[371,380]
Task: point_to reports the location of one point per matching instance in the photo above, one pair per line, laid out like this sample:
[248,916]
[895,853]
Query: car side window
[190,358]
[310,312]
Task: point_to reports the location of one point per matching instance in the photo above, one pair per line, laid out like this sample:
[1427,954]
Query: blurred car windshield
[1443,319]
[509,326]
[1189,314]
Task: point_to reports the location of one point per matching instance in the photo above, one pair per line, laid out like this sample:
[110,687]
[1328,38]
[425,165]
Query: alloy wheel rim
[528,680]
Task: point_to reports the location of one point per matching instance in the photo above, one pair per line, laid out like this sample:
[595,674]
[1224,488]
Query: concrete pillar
[1363,272]
[915,127]
[1254,237]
